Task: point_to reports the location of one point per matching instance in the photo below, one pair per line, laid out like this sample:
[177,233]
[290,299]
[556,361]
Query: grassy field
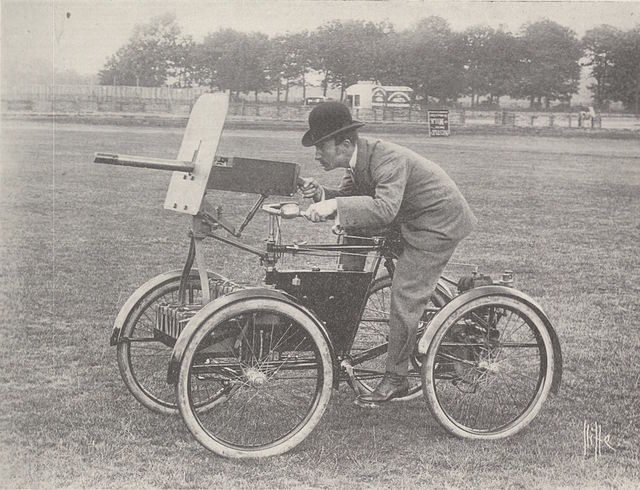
[77,239]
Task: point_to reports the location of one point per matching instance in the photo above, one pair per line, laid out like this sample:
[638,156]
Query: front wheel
[488,368]
[271,366]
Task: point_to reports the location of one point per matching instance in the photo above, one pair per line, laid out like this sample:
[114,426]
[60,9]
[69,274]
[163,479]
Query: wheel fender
[154,282]
[125,311]
[177,355]
[458,301]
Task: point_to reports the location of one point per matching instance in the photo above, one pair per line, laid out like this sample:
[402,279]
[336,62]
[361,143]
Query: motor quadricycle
[251,368]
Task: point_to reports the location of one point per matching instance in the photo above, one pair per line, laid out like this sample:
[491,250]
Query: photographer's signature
[593,440]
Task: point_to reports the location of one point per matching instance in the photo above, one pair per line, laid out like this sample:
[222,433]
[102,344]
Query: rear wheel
[142,354]
[488,368]
[275,369]
[368,354]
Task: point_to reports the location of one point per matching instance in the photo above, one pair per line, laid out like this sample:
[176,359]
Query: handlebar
[286,210]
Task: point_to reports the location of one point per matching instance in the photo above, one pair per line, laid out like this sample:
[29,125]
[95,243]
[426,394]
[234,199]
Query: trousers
[415,278]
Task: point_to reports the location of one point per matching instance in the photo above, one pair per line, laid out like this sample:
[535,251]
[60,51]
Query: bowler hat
[326,120]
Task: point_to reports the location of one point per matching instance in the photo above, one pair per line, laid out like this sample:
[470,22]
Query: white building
[368,95]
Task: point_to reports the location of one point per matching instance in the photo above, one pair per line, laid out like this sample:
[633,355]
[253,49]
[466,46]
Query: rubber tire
[298,433]
[544,382]
[148,397]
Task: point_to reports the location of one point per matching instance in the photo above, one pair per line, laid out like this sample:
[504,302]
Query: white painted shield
[199,144]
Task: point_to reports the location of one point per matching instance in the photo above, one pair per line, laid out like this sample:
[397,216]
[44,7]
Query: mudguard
[139,293]
[458,301]
[151,284]
[228,299]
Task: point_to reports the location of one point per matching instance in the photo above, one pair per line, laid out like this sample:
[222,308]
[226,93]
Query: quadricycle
[251,369]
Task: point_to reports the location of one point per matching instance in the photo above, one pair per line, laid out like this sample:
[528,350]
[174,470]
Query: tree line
[540,63]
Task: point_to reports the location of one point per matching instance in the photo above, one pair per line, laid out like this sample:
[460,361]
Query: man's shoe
[392,386]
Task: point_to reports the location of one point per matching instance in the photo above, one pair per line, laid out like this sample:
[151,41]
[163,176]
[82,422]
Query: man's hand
[320,211]
[310,188]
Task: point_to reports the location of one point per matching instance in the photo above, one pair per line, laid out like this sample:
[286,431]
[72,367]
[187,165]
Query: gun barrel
[143,162]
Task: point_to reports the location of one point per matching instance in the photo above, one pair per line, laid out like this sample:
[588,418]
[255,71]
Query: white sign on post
[438,122]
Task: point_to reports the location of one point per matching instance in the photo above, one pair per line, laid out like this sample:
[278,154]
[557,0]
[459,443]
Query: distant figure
[593,117]
[583,117]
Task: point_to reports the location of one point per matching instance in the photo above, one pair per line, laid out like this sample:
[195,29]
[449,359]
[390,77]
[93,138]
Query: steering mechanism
[289,210]
[286,210]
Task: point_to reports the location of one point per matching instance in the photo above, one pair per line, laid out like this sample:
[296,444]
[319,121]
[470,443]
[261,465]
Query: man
[389,186]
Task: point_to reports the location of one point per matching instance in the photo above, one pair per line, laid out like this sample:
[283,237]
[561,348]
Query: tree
[155,52]
[599,46]
[347,52]
[490,62]
[431,60]
[390,55]
[183,63]
[477,61]
[506,53]
[290,60]
[209,56]
[625,71]
[236,61]
[549,67]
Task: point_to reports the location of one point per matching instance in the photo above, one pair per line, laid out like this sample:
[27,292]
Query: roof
[387,88]
[395,88]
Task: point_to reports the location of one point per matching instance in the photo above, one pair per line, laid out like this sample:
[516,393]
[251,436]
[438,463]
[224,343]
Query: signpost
[438,123]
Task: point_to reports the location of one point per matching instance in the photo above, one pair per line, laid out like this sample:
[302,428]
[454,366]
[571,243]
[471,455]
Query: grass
[77,239]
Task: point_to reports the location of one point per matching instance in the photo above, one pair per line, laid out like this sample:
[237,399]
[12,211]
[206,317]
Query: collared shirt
[352,162]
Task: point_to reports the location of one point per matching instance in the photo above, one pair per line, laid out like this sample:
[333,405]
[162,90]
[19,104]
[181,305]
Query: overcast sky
[81,34]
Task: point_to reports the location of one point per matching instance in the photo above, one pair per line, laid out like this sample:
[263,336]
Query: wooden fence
[299,112]
[105,98]
[99,98]
[91,99]
[101,91]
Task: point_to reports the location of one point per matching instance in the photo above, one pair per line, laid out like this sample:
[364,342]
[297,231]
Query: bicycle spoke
[275,380]
[488,369]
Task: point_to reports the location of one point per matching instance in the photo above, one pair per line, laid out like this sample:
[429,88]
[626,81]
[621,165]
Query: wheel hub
[255,377]
[492,367]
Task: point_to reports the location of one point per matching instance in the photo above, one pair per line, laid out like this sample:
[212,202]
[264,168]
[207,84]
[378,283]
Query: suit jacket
[392,186]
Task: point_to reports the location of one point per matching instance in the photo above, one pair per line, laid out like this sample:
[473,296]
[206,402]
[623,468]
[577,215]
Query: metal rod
[213,221]
[251,214]
[240,245]
[202,269]
[144,162]
[184,278]
[329,248]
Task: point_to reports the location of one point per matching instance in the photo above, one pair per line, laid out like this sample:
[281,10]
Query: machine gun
[198,168]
